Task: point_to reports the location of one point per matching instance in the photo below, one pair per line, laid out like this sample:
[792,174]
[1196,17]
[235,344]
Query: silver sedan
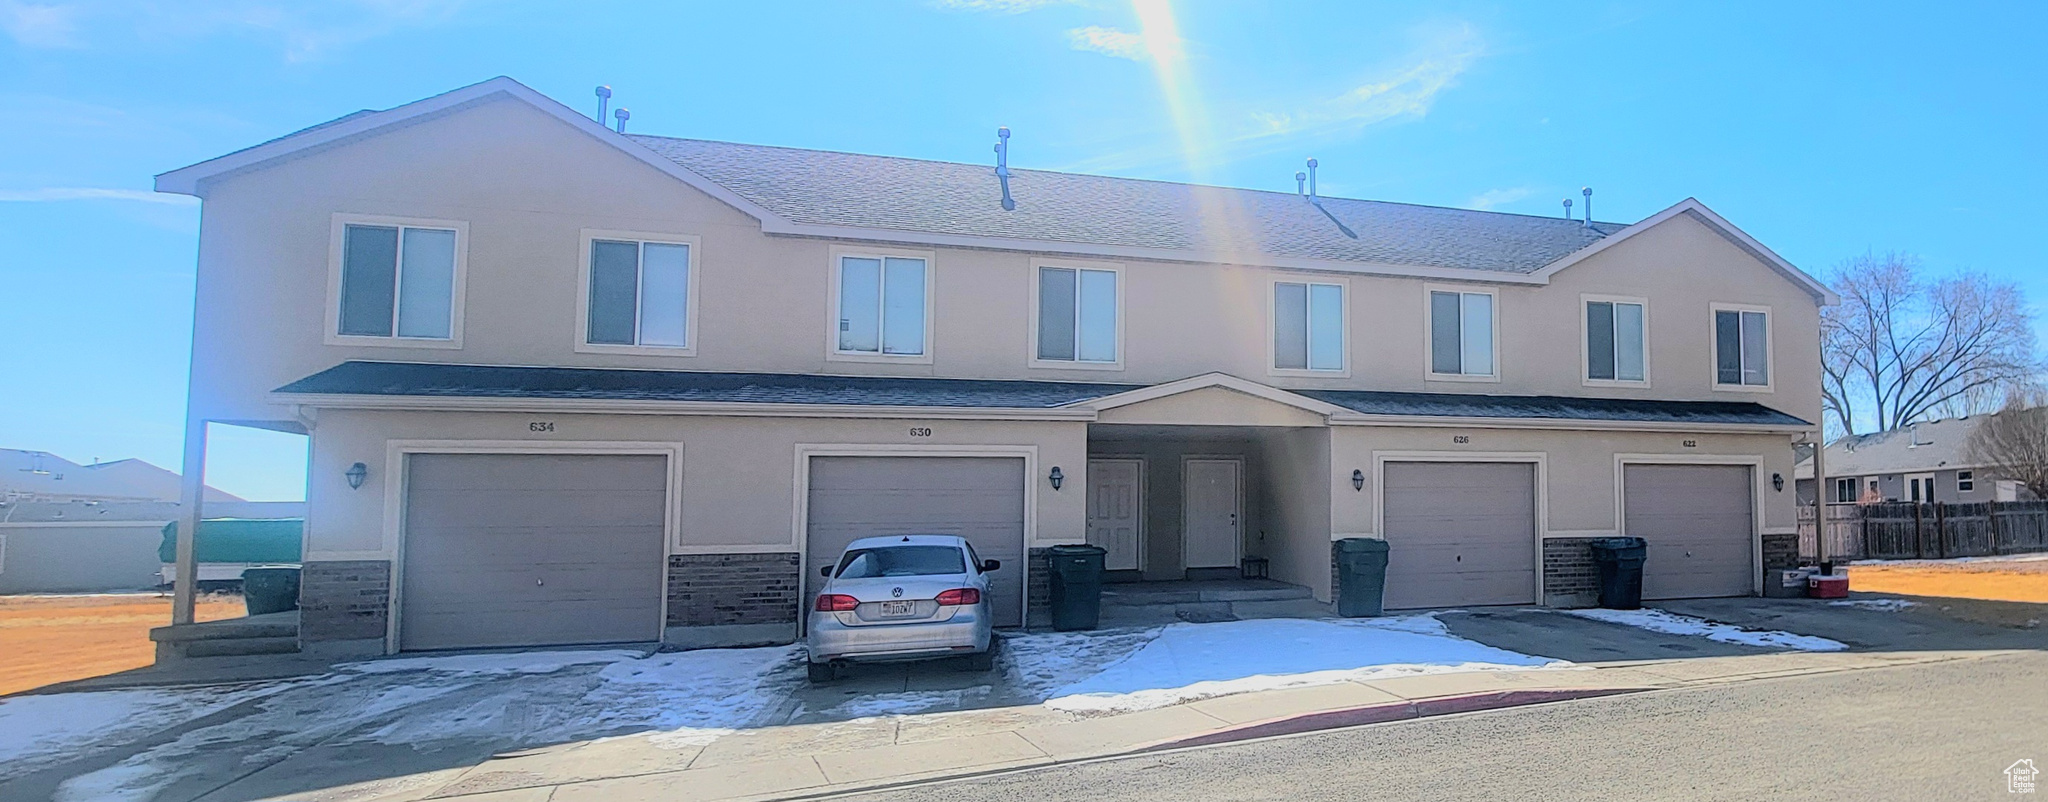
[902,597]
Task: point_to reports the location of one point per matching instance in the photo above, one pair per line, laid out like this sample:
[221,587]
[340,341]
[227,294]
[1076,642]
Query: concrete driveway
[413,727]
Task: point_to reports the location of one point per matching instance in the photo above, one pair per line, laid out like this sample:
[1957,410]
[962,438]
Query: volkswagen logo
[896,592]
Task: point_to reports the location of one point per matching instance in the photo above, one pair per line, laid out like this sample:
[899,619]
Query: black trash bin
[270,590]
[1076,586]
[1620,560]
[1361,576]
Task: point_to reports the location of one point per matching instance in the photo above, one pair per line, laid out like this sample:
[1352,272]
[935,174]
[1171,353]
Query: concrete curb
[1287,725]
[1376,714]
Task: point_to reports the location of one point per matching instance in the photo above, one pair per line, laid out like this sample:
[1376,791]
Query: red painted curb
[1375,714]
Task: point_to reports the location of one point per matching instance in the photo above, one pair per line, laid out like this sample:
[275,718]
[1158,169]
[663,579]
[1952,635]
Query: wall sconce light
[1357,480]
[356,474]
[1778,482]
[1056,478]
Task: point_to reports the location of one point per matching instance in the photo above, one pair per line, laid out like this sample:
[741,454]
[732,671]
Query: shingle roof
[931,197]
[492,381]
[1914,447]
[1462,405]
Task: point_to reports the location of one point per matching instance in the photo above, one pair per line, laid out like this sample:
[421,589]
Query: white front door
[1920,487]
[1114,510]
[1210,495]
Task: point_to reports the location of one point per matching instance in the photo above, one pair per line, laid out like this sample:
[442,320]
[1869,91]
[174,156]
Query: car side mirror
[990,565]
[825,572]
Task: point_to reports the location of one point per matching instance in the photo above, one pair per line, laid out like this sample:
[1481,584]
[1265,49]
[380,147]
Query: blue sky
[1825,131]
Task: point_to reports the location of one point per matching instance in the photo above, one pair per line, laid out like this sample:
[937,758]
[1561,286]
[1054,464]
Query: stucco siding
[527,186]
[737,475]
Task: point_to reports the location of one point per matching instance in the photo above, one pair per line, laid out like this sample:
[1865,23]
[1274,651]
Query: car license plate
[898,609]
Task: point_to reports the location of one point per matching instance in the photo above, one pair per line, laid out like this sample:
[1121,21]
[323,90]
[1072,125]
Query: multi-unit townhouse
[565,384]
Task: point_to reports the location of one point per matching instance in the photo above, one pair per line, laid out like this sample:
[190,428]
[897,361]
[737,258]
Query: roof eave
[192,180]
[1820,292]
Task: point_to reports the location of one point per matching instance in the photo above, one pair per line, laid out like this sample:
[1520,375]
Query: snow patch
[39,730]
[1674,624]
[506,700]
[1187,662]
[1880,605]
[492,664]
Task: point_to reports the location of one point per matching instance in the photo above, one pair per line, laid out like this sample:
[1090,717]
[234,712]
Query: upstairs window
[1461,327]
[398,282]
[1077,311]
[1308,326]
[1742,346]
[882,302]
[638,294]
[1614,341]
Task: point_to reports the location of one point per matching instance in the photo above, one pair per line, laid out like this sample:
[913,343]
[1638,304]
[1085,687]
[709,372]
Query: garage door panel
[527,550]
[978,498]
[1459,533]
[513,507]
[1698,522]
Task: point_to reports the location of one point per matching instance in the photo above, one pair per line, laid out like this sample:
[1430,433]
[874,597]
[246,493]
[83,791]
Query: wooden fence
[1897,530]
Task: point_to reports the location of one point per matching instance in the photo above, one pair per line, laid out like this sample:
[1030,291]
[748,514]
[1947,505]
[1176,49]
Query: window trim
[1428,332]
[1343,327]
[337,233]
[1966,481]
[1714,348]
[582,342]
[1031,356]
[1586,345]
[1854,485]
[835,255]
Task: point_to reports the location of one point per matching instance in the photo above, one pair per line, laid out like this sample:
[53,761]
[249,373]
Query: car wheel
[822,672]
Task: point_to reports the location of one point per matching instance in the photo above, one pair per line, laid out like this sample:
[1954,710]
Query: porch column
[191,493]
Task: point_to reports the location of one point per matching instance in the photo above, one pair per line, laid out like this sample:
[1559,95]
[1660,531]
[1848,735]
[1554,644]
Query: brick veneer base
[1570,579]
[714,590]
[1038,588]
[1781,551]
[344,600]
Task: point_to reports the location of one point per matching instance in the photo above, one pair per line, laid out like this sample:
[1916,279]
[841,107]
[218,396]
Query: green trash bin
[1361,576]
[1076,586]
[1620,562]
[270,590]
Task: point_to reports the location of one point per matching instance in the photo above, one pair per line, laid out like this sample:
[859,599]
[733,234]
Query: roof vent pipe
[604,99]
[1312,198]
[1567,208]
[1301,184]
[1588,192]
[622,115]
[1003,166]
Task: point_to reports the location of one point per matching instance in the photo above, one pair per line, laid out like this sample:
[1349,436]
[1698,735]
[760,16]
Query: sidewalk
[864,754]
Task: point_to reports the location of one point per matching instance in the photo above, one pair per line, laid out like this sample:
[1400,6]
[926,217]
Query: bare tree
[1902,347]
[2014,442]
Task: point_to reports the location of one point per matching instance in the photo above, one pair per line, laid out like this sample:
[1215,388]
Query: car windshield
[901,561]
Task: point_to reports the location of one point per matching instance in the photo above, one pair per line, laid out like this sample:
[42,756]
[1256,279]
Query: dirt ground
[1990,580]
[49,639]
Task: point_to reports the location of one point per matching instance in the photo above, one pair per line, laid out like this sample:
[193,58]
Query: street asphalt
[1930,732]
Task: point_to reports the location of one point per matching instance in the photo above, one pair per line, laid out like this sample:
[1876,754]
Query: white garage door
[1460,533]
[531,550]
[1697,522]
[978,498]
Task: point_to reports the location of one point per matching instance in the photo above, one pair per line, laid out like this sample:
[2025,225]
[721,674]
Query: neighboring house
[66,527]
[160,483]
[42,476]
[94,546]
[1918,462]
[568,385]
